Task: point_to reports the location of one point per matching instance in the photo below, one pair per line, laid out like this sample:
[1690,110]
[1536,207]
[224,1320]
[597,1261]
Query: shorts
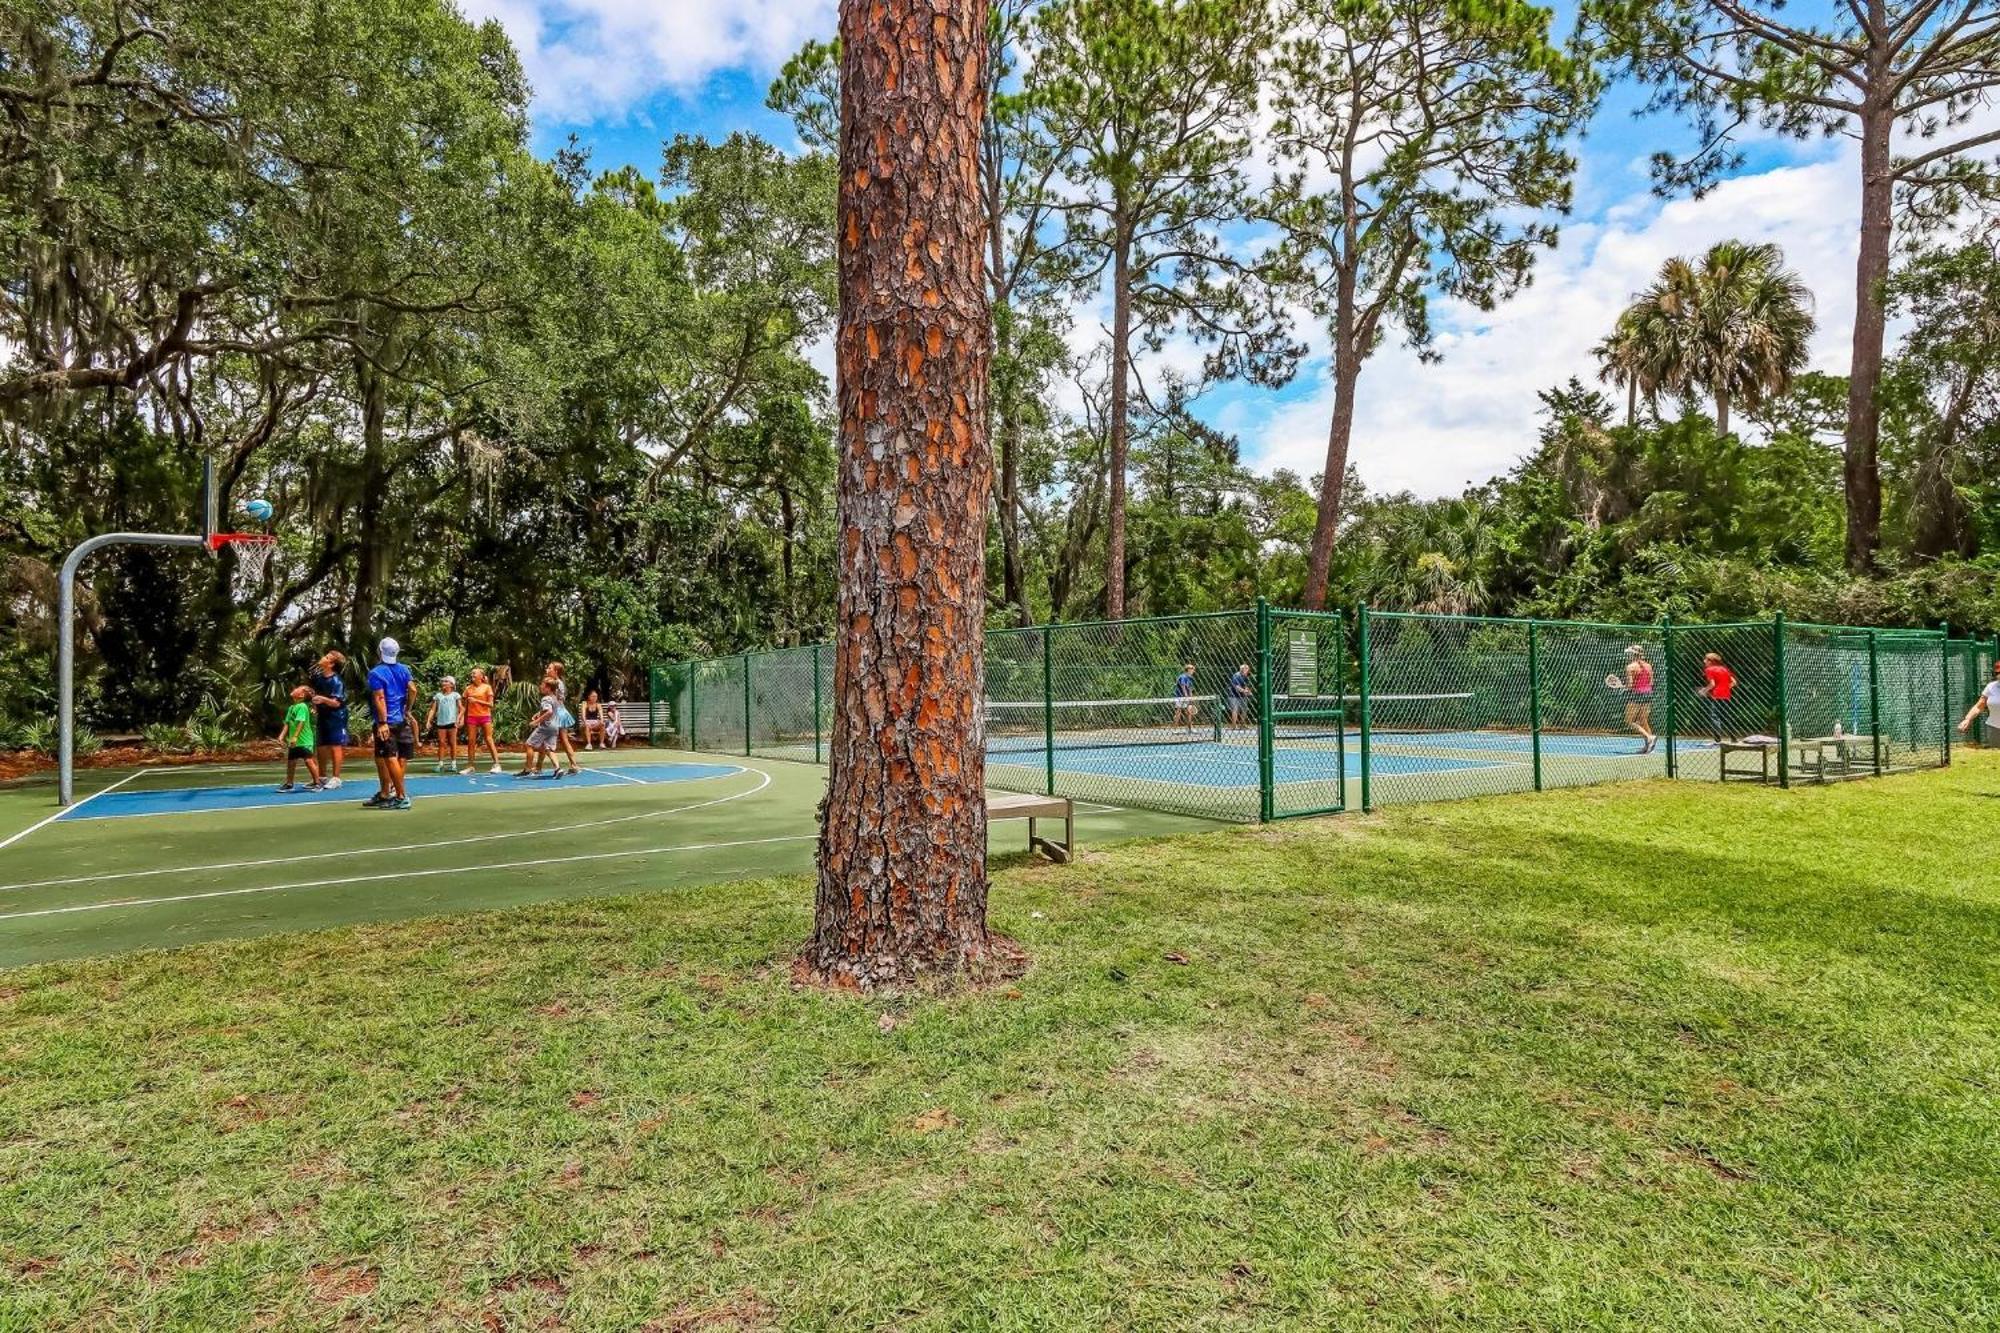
[443,725]
[479,720]
[400,743]
[543,737]
[332,728]
[298,752]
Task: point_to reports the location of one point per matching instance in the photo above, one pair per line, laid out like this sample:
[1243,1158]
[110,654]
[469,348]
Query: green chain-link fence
[1970,663]
[1269,714]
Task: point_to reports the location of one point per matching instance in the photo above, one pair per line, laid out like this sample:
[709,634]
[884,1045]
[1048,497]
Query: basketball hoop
[253,556]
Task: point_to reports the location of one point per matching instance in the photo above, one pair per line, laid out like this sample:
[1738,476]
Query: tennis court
[158,857]
[1194,753]
[1264,713]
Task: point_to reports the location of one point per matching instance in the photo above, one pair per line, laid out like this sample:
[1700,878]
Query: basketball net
[253,557]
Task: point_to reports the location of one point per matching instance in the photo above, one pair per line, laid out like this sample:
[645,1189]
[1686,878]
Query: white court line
[403,847]
[403,875]
[44,823]
[482,784]
[613,773]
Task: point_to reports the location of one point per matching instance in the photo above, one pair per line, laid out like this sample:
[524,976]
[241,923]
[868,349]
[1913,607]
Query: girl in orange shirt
[479,717]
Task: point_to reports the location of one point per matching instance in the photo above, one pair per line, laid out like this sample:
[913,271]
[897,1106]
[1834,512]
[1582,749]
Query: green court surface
[156,858]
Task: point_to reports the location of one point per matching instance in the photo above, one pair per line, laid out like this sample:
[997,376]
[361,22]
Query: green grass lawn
[1660,1056]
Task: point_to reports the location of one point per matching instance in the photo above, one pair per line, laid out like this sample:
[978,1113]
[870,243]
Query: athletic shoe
[496,769]
[287,787]
[376,802]
[575,772]
[400,803]
[557,775]
[331,784]
[317,786]
[520,773]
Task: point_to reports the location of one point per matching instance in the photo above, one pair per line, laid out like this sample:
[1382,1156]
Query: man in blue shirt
[392,691]
[1239,694]
[1184,698]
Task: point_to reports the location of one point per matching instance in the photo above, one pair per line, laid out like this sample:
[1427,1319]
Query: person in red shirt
[1721,683]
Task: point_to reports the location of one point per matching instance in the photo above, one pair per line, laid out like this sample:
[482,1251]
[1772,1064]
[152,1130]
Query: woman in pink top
[1639,699]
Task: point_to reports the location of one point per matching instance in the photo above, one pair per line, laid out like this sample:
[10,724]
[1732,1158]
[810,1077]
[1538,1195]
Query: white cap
[389,648]
[447,680]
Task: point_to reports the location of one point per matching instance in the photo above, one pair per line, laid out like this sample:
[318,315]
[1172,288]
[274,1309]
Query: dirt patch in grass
[744,1310]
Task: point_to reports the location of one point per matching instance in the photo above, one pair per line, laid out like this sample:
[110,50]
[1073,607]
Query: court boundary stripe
[729,771]
[75,908]
[401,847]
[69,809]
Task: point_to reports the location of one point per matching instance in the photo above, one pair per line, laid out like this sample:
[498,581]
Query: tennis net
[1016,727]
[1305,717]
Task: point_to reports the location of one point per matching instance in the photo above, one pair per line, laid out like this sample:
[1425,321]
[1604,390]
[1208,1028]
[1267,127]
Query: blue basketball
[259,509]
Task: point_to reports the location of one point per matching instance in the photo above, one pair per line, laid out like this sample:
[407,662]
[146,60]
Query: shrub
[209,732]
[83,741]
[39,736]
[167,738]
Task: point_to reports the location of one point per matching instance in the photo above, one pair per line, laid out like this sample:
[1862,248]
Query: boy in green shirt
[297,738]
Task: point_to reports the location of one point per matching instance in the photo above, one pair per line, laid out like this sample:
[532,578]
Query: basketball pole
[66,621]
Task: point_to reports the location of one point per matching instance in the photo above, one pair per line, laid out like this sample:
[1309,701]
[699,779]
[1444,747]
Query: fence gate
[1306,719]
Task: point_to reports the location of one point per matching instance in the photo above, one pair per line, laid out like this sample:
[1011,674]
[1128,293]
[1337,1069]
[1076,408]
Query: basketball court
[161,857]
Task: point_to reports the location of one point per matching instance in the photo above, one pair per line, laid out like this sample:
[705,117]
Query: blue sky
[625,75]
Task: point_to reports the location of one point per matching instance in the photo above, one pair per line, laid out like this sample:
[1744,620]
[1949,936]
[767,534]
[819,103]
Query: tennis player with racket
[1637,686]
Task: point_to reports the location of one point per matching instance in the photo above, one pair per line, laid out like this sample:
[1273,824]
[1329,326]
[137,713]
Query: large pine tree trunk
[1864,376]
[1339,434]
[1121,373]
[902,854]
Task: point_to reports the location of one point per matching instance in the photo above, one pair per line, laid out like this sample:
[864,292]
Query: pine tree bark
[1864,379]
[902,851]
[1339,436]
[1120,412]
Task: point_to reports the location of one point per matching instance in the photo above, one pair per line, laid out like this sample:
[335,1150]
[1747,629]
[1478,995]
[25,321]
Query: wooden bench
[1764,750]
[1021,805]
[1819,757]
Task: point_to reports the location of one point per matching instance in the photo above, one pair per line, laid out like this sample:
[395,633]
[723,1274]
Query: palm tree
[1734,324]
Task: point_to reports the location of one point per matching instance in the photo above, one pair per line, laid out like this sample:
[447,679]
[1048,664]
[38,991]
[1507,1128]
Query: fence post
[1875,700]
[1667,667]
[1535,699]
[652,706]
[1048,709]
[746,705]
[818,739]
[1361,632]
[1784,702]
[1265,774]
[694,674]
[1944,670]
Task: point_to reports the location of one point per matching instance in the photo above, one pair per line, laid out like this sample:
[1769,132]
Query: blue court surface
[1602,747]
[1233,763]
[1228,765]
[127,803]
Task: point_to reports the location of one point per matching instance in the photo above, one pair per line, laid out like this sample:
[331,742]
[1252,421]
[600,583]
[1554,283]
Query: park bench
[1021,805]
[1820,758]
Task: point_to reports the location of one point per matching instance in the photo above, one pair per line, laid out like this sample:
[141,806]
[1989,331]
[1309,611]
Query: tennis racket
[1611,682]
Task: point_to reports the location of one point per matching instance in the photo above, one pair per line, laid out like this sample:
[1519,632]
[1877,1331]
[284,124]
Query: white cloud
[592,58]
[1435,429]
